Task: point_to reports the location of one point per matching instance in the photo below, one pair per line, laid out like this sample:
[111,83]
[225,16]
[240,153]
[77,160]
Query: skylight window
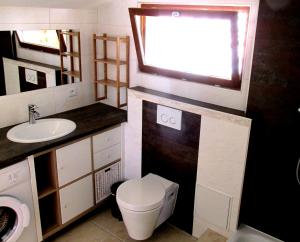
[40,40]
[203,45]
[46,38]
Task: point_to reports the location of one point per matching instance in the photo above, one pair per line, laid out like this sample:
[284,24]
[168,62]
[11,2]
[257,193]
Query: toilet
[146,203]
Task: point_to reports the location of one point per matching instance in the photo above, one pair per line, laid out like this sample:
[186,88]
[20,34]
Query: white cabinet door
[73,161]
[106,139]
[107,156]
[76,198]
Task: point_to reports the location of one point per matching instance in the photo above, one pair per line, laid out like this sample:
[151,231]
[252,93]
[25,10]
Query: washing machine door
[14,217]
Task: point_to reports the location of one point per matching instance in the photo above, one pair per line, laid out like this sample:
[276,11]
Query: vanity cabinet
[72,180]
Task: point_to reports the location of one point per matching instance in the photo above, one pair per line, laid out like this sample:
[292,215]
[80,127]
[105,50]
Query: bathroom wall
[13,108]
[114,19]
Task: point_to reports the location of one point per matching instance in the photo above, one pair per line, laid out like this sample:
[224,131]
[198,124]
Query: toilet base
[140,227]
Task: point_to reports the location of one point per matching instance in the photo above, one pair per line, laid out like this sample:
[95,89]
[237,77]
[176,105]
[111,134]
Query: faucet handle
[36,114]
[32,107]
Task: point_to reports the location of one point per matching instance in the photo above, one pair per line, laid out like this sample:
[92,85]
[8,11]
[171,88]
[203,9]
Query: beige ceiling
[53,3]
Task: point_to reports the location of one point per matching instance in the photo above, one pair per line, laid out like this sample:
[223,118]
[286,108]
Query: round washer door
[14,217]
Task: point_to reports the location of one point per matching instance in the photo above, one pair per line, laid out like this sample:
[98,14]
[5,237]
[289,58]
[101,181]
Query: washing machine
[17,220]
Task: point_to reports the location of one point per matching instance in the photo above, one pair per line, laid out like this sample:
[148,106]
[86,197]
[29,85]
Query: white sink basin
[42,130]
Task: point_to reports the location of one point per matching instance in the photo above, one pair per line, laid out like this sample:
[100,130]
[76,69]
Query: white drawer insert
[107,156]
[106,139]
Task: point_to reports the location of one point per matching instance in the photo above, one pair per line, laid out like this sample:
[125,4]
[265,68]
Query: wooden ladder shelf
[117,62]
[68,51]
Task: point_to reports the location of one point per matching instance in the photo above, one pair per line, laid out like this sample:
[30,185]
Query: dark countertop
[189,101]
[89,120]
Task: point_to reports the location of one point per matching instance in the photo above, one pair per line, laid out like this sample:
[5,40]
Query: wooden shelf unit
[47,188]
[117,62]
[71,54]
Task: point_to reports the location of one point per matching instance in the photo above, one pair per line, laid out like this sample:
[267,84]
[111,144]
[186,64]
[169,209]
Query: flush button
[169,117]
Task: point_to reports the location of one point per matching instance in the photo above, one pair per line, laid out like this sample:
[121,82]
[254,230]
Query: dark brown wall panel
[271,196]
[173,154]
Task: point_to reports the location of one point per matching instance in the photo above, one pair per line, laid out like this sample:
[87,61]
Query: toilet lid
[140,194]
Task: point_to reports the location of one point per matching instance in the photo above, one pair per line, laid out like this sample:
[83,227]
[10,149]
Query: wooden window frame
[220,12]
[40,47]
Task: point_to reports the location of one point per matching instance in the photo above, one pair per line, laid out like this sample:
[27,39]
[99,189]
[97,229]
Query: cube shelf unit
[119,40]
[71,53]
[50,193]
[47,188]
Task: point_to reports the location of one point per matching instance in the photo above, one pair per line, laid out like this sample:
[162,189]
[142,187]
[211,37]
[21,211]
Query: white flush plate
[169,117]
[31,76]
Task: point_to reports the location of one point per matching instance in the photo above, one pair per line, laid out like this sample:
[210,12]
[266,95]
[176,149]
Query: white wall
[51,100]
[114,19]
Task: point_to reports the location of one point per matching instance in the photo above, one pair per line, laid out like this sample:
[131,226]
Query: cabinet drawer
[73,161]
[106,156]
[76,198]
[106,139]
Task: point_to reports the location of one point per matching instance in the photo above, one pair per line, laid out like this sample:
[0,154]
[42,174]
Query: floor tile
[211,236]
[107,222]
[86,232]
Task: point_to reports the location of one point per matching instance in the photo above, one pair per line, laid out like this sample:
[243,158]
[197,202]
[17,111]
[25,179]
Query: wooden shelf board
[47,191]
[111,38]
[72,73]
[69,33]
[49,230]
[110,61]
[123,105]
[74,54]
[112,83]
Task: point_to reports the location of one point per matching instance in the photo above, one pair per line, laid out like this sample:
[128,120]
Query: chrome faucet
[32,113]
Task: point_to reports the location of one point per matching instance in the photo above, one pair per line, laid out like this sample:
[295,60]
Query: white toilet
[146,203]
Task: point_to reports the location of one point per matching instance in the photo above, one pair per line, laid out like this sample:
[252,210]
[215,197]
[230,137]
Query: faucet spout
[32,113]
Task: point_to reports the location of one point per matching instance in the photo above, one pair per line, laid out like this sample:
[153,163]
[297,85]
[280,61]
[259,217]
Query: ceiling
[53,3]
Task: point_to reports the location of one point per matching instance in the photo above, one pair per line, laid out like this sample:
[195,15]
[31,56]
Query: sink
[42,130]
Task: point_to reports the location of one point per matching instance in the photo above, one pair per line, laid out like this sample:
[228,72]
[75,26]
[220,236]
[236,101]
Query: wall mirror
[35,59]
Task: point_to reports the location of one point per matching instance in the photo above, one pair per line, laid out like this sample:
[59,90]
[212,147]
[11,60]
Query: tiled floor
[102,227]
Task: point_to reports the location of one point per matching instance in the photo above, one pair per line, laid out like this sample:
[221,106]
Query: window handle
[297,171]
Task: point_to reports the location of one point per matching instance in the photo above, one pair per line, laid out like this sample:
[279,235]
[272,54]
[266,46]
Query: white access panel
[106,139]
[106,156]
[73,161]
[76,198]
[212,206]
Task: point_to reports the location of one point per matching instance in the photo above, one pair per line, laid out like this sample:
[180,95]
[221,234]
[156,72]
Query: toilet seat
[140,195]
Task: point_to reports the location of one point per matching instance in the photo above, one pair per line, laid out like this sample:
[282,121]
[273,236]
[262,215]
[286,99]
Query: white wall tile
[62,100]
[74,16]
[116,12]
[44,99]
[24,15]
[23,26]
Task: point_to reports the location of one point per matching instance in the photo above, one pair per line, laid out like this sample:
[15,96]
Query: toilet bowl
[146,203]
